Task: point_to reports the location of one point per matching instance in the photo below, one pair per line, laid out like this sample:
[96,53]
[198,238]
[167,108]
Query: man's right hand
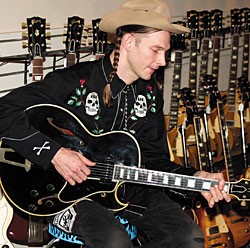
[72,165]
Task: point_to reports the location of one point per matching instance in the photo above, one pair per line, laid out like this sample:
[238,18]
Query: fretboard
[216,57]
[245,59]
[225,141]
[233,70]
[200,143]
[203,70]
[193,65]
[163,179]
[174,104]
[37,68]
[70,59]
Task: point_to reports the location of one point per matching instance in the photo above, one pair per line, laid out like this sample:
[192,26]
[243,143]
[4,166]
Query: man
[125,98]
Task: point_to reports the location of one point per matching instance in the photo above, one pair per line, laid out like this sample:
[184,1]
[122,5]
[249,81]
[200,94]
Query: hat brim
[125,16]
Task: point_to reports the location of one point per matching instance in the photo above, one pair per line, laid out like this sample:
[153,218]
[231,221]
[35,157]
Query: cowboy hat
[151,13]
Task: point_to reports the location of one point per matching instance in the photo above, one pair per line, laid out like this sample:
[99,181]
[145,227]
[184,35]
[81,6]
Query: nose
[162,59]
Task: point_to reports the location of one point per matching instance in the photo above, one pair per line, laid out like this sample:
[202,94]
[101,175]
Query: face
[147,52]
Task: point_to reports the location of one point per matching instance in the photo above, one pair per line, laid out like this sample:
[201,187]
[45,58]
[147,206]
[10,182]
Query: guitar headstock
[245,20]
[210,85]
[205,24]
[240,189]
[189,100]
[178,41]
[235,21]
[244,87]
[36,35]
[74,34]
[217,22]
[99,38]
[193,23]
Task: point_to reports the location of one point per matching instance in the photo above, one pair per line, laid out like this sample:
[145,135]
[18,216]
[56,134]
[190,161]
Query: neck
[124,70]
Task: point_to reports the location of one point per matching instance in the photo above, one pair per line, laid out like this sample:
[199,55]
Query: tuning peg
[48,35]
[24,25]
[47,25]
[65,25]
[24,44]
[25,35]
[48,45]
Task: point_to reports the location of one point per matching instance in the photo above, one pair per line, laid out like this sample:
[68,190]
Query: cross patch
[45,146]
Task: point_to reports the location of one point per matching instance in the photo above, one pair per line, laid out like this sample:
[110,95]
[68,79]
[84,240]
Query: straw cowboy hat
[151,13]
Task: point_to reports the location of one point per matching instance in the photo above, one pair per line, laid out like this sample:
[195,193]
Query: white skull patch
[140,106]
[92,103]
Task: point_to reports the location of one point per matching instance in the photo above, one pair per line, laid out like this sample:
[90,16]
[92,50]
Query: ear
[127,41]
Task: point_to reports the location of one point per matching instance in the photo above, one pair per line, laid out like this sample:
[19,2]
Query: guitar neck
[225,141]
[37,70]
[233,70]
[70,59]
[201,151]
[245,59]
[163,179]
[203,70]
[216,56]
[193,65]
[174,106]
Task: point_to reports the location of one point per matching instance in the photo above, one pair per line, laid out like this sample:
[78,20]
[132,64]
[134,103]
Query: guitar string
[171,178]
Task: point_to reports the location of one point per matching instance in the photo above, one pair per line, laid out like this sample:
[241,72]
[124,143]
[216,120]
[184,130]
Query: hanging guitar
[37,36]
[235,216]
[46,193]
[73,39]
[211,221]
[175,117]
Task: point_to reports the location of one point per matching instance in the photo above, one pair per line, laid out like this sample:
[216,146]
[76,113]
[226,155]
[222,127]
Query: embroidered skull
[92,103]
[140,106]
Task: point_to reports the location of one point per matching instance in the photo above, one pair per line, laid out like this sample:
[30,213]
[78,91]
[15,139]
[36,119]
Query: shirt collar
[117,84]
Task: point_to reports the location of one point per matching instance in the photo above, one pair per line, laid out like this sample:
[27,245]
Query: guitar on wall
[73,39]
[210,220]
[27,229]
[175,117]
[234,215]
[46,193]
[37,36]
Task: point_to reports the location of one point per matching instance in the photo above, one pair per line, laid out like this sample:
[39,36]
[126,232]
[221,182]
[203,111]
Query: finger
[226,196]
[86,161]
[70,180]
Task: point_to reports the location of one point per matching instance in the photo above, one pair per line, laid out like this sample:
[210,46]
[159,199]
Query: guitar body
[22,235]
[237,218]
[46,191]
[213,225]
